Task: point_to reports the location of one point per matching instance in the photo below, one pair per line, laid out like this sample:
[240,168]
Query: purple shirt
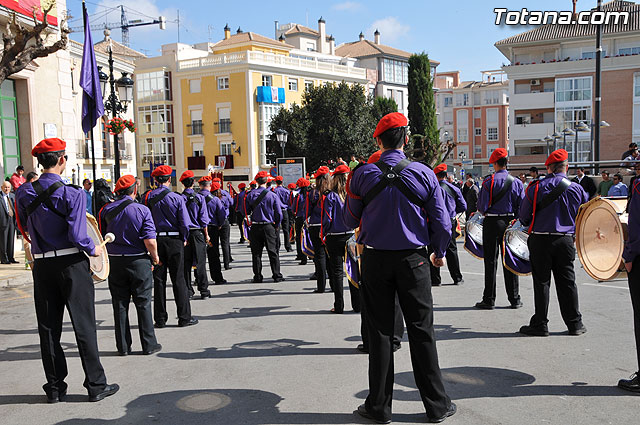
[298,204]
[283,194]
[391,221]
[560,216]
[198,214]
[227,200]
[131,227]
[632,246]
[170,214]
[240,202]
[215,209]
[455,204]
[47,230]
[510,202]
[268,211]
[312,207]
[332,218]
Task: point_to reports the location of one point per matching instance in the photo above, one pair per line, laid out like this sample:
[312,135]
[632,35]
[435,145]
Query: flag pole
[93,154]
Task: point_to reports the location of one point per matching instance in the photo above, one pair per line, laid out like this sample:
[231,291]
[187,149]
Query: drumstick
[108,238]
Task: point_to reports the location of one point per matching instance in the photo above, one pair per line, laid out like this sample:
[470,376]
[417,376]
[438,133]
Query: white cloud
[391,29]
[350,6]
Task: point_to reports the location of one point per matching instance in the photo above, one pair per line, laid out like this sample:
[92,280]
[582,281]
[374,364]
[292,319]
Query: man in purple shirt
[56,223]
[239,210]
[283,194]
[631,257]
[169,211]
[225,231]
[131,256]
[455,205]
[217,216]
[196,248]
[499,201]
[549,209]
[400,210]
[298,209]
[264,209]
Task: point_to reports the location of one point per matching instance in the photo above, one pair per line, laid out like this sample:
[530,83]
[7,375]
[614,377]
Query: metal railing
[196,128]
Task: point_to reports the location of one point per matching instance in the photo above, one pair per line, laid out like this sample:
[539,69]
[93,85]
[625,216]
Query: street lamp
[578,128]
[556,136]
[281,136]
[566,132]
[547,140]
[233,146]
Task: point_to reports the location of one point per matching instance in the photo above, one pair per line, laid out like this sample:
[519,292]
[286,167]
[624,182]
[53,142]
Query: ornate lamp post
[281,136]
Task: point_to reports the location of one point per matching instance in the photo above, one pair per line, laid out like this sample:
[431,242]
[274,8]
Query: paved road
[272,354]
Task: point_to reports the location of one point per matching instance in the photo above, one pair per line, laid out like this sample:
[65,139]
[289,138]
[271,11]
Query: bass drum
[99,265]
[473,235]
[515,251]
[601,232]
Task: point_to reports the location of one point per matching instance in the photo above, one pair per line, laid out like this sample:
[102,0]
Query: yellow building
[211,104]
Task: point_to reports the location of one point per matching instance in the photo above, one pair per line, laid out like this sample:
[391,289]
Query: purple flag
[92,106]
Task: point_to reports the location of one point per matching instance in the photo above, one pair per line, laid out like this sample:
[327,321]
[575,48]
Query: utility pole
[598,99]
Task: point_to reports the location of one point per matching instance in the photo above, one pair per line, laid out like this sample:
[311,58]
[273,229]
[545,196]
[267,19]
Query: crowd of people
[402,216]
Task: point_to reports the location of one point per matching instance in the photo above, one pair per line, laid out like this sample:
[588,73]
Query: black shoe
[516,305]
[257,279]
[125,353]
[578,330]
[313,277]
[435,284]
[54,398]
[302,263]
[159,325]
[450,412]
[632,384]
[289,249]
[362,411]
[108,390]
[189,322]
[231,260]
[317,291]
[534,331]
[5,262]
[278,279]
[227,268]
[361,348]
[205,296]
[240,242]
[221,282]
[13,262]
[484,306]
[152,349]
[458,282]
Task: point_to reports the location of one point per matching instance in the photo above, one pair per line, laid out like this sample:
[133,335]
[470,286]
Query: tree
[295,122]
[383,106]
[23,44]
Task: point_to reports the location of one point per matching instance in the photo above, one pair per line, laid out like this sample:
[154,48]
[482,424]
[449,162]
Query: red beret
[186,175]
[374,158]
[163,170]
[270,178]
[440,168]
[321,172]
[124,182]
[253,183]
[497,154]
[389,121]
[262,175]
[279,178]
[291,186]
[49,145]
[341,169]
[302,182]
[216,179]
[557,156]
[215,186]
[204,179]
[242,186]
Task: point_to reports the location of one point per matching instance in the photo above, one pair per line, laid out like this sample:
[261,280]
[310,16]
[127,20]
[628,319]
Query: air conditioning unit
[535,82]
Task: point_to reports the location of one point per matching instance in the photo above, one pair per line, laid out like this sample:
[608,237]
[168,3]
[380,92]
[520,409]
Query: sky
[460,34]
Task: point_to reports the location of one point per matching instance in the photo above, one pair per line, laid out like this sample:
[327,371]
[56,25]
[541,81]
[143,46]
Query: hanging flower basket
[117,126]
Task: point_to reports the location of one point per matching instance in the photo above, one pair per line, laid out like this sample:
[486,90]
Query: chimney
[361,36]
[282,38]
[322,37]
[276,22]
[239,31]
[575,14]
[227,32]
[376,36]
[332,45]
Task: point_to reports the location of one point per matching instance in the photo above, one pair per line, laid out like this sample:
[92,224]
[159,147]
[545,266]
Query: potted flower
[117,125]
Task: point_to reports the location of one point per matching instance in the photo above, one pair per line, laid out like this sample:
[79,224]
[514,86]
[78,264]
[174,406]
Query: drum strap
[109,216]
[44,197]
[447,189]
[547,200]
[208,198]
[259,199]
[154,201]
[191,198]
[505,189]
[391,176]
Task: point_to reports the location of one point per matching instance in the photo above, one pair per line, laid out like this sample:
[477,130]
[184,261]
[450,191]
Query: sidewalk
[12,275]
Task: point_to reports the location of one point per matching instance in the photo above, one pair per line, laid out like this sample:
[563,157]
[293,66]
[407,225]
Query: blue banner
[267,94]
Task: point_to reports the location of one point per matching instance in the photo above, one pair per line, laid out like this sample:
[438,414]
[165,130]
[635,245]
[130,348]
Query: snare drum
[473,235]
[99,265]
[515,251]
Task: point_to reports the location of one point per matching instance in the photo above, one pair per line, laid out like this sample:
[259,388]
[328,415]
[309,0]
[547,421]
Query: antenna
[209,27]
[124,26]
[178,25]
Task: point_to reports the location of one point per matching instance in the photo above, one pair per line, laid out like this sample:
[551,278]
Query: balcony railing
[224,125]
[196,162]
[195,128]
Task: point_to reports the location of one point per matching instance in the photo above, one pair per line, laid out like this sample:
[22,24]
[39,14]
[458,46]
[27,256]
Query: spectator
[7,224]
[17,179]
[102,195]
[533,172]
[605,184]
[631,159]
[32,176]
[523,178]
[585,181]
[340,161]
[471,196]
[86,185]
[618,188]
[633,179]
[354,162]
[632,147]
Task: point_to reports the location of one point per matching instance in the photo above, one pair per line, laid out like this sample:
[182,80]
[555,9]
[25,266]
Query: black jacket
[587,184]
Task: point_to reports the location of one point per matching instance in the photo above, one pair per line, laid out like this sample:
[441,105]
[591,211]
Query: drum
[515,251]
[473,235]
[458,219]
[245,229]
[99,265]
[307,244]
[601,232]
[352,262]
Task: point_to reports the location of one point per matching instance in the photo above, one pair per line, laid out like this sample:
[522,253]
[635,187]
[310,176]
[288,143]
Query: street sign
[291,169]
[467,162]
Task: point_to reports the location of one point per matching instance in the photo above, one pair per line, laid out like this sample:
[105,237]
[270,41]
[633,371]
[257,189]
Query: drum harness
[391,176]
[557,191]
[150,203]
[503,191]
[255,204]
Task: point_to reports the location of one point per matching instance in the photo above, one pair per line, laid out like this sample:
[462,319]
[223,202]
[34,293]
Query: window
[477,113]
[629,51]
[223,83]
[389,94]
[462,99]
[293,84]
[152,86]
[196,122]
[492,115]
[197,149]
[448,118]
[311,47]
[463,135]
[224,121]
[478,132]
[399,98]
[492,134]
[448,101]
[396,71]
[194,86]
[266,80]
[462,118]
[477,150]
[490,149]
[592,55]
[225,149]
[636,85]
[308,85]
[492,97]
[573,89]
[571,116]
[158,150]
[155,119]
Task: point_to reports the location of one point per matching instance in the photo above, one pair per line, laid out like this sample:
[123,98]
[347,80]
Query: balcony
[224,161]
[195,128]
[224,125]
[196,163]
[531,131]
[532,101]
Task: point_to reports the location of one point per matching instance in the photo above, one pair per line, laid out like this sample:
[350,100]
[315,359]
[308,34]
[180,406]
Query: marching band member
[225,231]
[198,239]
[264,208]
[312,207]
[283,194]
[298,207]
[217,215]
[550,209]
[239,211]
[293,193]
[455,205]
[169,211]
[499,201]
[131,256]
[396,222]
[61,275]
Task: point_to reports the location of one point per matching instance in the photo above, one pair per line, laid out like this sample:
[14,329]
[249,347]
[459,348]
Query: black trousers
[264,236]
[398,324]
[239,220]
[171,253]
[7,241]
[554,254]
[453,263]
[286,228]
[634,290]
[131,278]
[225,234]
[493,230]
[292,224]
[59,282]
[213,254]
[196,249]
[299,222]
[319,258]
[336,245]
[405,273]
